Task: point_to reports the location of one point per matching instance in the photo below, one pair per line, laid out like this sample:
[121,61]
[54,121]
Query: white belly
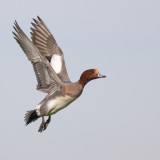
[38,110]
[58,104]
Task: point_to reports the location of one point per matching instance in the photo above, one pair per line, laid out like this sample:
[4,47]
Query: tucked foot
[44,124]
[41,127]
[47,123]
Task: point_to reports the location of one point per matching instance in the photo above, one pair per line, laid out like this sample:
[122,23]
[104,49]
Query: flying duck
[49,66]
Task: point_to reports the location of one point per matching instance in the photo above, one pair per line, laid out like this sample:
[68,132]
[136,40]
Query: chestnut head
[89,75]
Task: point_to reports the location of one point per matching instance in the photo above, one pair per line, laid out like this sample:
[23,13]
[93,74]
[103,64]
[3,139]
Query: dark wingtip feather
[33,30]
[39,19]
[16,24]
[16,39]
[14,34]
[15,29]
[35,21]
[34,25]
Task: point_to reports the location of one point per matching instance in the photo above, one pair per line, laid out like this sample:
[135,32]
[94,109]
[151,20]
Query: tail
[30,116]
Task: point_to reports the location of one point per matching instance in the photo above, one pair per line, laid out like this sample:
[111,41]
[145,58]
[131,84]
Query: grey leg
[47,122]
[42,125]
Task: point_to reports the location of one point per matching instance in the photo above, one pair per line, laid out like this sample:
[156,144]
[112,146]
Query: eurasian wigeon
[49,66]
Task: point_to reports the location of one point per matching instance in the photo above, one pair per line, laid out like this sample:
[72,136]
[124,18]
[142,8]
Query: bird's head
[89,75]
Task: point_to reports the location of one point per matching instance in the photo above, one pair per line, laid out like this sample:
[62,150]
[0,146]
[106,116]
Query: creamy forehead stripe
[96,70]
[56,63]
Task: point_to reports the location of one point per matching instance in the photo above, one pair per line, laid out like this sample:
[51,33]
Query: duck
[50,70]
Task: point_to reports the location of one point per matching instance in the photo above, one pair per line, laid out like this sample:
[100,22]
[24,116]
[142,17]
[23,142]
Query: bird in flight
[49,66]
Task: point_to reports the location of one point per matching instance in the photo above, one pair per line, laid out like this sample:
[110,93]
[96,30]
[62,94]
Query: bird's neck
[83,81]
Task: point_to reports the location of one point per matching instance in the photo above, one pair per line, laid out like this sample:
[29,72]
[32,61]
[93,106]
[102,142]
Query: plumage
[44,72]
[50,70]
[48,46]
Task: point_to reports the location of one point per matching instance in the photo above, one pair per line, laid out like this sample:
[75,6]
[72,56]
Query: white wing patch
[56,63]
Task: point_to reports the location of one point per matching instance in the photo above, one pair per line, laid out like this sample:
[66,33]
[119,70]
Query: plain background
[117,118]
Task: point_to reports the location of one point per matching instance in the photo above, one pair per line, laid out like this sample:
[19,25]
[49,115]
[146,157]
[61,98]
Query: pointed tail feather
[30,116]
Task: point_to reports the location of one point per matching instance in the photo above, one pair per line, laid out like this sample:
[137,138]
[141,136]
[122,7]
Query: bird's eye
[92,72]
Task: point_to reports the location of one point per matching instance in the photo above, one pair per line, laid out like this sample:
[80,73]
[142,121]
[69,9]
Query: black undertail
[30,116]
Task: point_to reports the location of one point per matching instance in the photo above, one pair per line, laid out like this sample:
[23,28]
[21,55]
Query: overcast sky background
[117,118]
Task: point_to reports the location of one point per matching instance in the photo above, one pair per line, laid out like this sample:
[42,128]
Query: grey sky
[117,118]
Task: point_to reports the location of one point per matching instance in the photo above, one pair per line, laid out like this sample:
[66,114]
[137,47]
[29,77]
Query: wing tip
[39,19]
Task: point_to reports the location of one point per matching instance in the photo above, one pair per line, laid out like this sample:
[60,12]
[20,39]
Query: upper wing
[47,46]
[46,76]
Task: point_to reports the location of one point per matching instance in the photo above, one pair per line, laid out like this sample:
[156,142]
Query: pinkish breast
[72,89]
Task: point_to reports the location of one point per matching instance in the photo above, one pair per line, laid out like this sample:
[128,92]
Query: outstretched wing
[46,76]
[47,46]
